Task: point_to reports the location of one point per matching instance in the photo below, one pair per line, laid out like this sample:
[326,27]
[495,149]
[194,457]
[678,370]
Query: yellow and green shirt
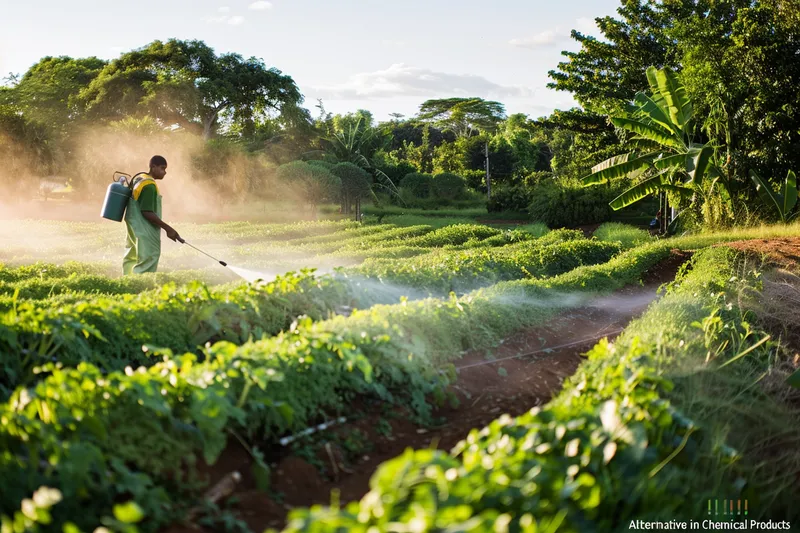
[146,193]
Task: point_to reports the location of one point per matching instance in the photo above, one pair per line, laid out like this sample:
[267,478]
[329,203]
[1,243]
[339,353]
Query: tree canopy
[186,83]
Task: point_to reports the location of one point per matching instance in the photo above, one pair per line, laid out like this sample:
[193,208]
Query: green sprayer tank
[117,196]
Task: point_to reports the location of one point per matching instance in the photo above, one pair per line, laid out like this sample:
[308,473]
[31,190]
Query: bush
[324,164]
[628,236]
[418,184]
[448,186]
[536,177]
[397,172]
[560,205]
[313,183]
[510,198]
[475,179]
[356,183]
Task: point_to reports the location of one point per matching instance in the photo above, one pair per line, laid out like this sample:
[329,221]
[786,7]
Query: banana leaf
[653,133]
[649,108]
[789,193]
[670,161]
[768,197]
[637,192]
[617,167]
[674,93]
[697,161]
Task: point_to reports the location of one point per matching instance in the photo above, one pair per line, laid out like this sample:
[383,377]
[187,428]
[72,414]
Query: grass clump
[628,236]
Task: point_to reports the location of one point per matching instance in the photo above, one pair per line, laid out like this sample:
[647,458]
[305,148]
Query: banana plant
[667,158]
[783,202]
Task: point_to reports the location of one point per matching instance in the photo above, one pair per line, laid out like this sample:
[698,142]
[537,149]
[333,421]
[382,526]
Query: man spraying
[143,221]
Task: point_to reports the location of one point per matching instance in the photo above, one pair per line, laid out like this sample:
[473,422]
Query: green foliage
[782,203]
[446,271]
[626,235]
[632,434]
[185,82]
[418,184]
[111,331]
[463,116]
[559,205]
[312,183]
[669,160]
[448,186]
[609,68]
[510,198]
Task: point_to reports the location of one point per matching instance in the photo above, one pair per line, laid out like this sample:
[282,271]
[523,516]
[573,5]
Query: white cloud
[558,36]
[236,20]
[545,38]
[402,80]
[261,5]
[541,40]
[224,9]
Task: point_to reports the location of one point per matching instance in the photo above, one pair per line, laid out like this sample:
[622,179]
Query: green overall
[143,246]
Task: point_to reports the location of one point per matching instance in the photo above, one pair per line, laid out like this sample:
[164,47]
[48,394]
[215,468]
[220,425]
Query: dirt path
[525,371]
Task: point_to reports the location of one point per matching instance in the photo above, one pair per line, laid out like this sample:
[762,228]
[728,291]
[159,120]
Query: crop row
[111,331]
[452,270]
[639,433]
[142,428]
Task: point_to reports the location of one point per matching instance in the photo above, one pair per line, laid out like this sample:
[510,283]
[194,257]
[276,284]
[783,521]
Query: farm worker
[143,221]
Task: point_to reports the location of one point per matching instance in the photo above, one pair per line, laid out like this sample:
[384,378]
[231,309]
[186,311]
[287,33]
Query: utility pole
[488,177]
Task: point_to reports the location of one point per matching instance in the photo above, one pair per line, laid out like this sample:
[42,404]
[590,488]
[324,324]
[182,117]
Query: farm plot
[163,433]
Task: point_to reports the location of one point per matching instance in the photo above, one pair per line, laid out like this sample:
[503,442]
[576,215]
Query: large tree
[186,83]
[608,71]
[465,117]
[741,65]
[48,91]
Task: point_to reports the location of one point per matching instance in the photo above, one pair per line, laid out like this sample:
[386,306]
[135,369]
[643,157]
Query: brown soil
[524,371]
[784,252]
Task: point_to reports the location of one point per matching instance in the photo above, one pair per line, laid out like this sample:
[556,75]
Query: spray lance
[182,241]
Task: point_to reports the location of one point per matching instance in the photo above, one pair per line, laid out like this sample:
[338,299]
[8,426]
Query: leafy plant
[668,159]
[781,203]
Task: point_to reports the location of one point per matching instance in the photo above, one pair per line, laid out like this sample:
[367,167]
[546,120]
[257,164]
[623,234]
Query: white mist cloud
[545,38]
[404,80]
[261,5]
[224,9]
[560,35]
[236,20]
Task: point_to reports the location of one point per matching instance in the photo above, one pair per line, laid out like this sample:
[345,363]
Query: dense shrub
[397,172]
[559,204]
[476,179]
[448,186]
[510,198]
[417,184]
[313,183]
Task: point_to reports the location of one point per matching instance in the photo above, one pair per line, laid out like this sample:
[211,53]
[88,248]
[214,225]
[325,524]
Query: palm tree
[667,158]
[357,143]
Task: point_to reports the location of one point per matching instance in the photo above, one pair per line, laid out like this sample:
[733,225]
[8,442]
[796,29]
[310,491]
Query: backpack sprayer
[118,195]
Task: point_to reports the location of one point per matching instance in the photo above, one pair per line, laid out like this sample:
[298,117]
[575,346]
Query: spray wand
[223,263]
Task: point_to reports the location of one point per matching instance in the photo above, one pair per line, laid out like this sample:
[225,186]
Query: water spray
[248,275]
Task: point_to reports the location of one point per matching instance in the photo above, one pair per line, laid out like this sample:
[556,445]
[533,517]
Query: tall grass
[628,236]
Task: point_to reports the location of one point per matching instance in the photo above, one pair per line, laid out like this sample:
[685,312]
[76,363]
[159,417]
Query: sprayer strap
[140,184]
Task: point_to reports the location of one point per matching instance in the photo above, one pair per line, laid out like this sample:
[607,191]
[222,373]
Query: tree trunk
[210,121]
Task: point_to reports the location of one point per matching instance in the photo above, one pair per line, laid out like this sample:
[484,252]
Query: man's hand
[173,235]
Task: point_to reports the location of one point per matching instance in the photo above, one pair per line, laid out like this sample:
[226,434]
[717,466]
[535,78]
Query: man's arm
[156,221]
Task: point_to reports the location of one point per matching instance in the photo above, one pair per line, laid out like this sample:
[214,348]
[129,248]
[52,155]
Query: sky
[387,57]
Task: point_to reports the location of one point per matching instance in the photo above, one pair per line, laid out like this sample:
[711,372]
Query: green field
[118,392]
